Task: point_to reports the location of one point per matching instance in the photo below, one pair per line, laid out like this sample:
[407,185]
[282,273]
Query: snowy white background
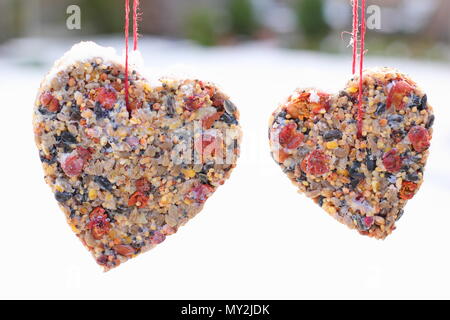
[256,238]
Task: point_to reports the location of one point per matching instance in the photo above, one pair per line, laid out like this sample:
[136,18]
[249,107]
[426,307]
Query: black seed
[67,137]
[137,244]
[206,167]
[75,114]
[45,111]
[381,108]
[355,167]
[395,119]
[343,93]
[383,212]
[371,163]
[280,117]
[100,112]
[170,106]
[400,214]
[412,177]
[80,198]
[66,147]
[52,157]
[302,177]
[228,119]
[320,201]
[423,103]
[413,159]
[398,135]
[430,122]
[229,107]
[356,178]
[103,182]
[121,209]
[282,114]
[62,196]
[203,178]
[289,169]
[415,101]
[332,135]
[106,148]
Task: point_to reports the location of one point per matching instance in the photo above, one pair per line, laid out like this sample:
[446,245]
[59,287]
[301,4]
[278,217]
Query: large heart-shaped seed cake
[363,180]
[128,175]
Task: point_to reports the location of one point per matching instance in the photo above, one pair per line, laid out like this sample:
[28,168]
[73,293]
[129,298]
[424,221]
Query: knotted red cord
[361,67]
[135,41]
[355,35]
[361,43]
[135,24]
[127,22]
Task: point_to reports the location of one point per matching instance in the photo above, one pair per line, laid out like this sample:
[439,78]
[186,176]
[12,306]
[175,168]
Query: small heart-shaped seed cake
[363,180]
[127,175]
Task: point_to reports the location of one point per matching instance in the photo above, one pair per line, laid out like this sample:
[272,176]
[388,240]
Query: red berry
[102,260]
[142,185]
[201,193]
[135,104]
[368,222]
[207,139]
[316,163]
[138,199]
[194,103]
[84,153]
[106,97]
[46,98]
[99,223]
[289,137]
[207,122]
[408,190]
[392,161]
[50,102]
[419,138]
[323,105]
[73,165]
[398,92]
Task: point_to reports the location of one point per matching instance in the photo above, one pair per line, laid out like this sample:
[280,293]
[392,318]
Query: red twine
[135,41]
[355,35]
[135,24]
[361,43]
[361,66]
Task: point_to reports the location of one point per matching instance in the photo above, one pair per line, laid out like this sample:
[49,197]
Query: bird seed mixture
[126,180]
[363,183]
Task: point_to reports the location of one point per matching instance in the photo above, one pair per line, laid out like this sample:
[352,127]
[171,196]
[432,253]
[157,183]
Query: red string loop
[355,35]
[135,42]
[361,67]
[359,38]
[135,24]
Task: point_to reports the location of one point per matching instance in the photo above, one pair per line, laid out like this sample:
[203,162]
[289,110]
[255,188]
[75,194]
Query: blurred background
[258,52]
[409,28]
